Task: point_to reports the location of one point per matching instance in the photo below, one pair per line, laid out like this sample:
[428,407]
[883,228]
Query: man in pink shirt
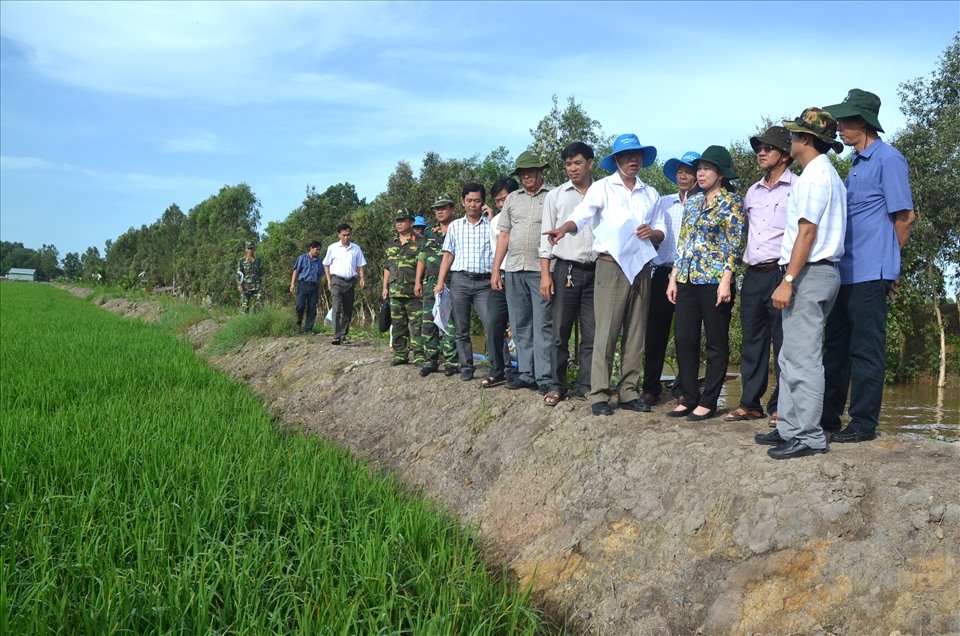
[765,207]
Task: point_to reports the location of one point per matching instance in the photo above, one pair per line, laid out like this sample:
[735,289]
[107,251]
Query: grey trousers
[801,356]
[342,293]
[467,292]
[620,305]
[531,320]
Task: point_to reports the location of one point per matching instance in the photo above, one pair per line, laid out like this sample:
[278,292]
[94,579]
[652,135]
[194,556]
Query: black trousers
[497,347]
[855,355]
[307,297]
[658,334]
[696,308]
[569,305]
[761,323]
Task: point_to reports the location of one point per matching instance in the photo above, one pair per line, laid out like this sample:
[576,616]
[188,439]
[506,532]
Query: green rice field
[145,493]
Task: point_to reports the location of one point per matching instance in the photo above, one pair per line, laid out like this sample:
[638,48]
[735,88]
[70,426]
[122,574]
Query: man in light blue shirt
[879,219]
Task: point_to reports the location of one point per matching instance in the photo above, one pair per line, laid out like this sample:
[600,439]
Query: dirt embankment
[636,523]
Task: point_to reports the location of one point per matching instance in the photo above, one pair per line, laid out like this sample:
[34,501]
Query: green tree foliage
[50,261]
[212,239]
[93,264]
[16,255]
[930,142]
[72,267]
[558,129]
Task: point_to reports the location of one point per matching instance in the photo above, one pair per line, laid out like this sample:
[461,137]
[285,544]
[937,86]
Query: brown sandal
[740,414]
[773,420]
[552,398]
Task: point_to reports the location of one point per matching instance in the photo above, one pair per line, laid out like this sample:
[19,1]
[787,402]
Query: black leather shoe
[427,370]
[601,408]
[398,362]
[846,436]
[772,438]
[336,341]
[793,448]
[635,404]
[451,371]
[687,410]
[466,375]
[521,384]
[650,399]
[699,418]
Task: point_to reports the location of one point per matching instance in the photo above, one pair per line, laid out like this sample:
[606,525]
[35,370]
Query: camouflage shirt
[431,253]
[401,262]
[250,273]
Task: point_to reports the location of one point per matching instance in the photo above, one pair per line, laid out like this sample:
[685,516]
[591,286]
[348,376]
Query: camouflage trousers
[251,298]
[436,349]
[406,316]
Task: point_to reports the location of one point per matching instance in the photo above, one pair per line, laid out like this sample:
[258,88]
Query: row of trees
[196,253]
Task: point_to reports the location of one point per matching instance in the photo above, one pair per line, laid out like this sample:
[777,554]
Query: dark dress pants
[467,291]
[855,350]
[497,347]
[569,305]
[307,297]
[761,324]
[658,334]
[696,308]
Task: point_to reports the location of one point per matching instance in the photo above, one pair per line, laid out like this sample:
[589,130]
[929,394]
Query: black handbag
[385,320]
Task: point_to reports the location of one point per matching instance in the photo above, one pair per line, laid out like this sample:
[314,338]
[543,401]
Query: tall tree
[72,268]
[930,142]
[558,129]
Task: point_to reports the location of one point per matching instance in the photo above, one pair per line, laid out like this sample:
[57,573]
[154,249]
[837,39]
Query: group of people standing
[818,259]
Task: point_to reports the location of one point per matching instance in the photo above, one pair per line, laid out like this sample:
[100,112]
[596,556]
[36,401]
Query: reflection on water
[915,410]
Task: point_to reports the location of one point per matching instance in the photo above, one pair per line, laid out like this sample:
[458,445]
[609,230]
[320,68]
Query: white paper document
[630,252]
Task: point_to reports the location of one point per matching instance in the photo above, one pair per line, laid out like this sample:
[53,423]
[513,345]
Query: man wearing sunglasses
[765,207]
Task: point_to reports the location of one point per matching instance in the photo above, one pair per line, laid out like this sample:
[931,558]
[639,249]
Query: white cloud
[23,163]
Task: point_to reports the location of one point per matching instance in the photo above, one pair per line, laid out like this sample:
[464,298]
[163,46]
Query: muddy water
[913,410]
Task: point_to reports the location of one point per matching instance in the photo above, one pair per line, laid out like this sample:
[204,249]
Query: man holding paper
[628,227]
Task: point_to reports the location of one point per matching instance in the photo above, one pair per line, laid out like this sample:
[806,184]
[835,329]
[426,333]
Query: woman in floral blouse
[701,284]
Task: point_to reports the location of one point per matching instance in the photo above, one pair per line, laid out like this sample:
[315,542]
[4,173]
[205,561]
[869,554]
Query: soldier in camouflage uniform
[399,278]
[434,347]
[250,280]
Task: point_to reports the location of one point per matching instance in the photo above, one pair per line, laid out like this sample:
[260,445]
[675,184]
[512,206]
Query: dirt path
[635,523]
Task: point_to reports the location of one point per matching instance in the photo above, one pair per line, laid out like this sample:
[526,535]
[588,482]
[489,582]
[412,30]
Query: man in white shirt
[628,224]
[343,264]
[812,246]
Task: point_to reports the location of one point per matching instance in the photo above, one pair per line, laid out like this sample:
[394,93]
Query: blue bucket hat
[419,221]
[670,168]
[624,143]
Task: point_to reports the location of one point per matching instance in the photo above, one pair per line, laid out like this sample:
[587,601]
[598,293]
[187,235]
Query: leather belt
[473,276]
[588,267]
[764,267]
[823,261]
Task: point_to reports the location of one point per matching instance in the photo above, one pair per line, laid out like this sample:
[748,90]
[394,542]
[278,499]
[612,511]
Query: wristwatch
[788,279]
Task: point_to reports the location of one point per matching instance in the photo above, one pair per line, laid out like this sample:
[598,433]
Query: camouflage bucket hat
[776,136]
[528,159]
[442,201]
[858,103]
[249,245]
[402,215]
[720,157]
[819,123]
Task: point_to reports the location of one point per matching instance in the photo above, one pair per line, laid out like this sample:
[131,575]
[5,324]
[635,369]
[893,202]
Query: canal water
[917,411]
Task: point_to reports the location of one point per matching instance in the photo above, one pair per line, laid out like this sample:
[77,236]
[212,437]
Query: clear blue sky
[110,112]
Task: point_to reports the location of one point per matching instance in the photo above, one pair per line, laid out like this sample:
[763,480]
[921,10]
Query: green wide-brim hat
[819,123]
[858,103]
[720,157]
[528,159]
